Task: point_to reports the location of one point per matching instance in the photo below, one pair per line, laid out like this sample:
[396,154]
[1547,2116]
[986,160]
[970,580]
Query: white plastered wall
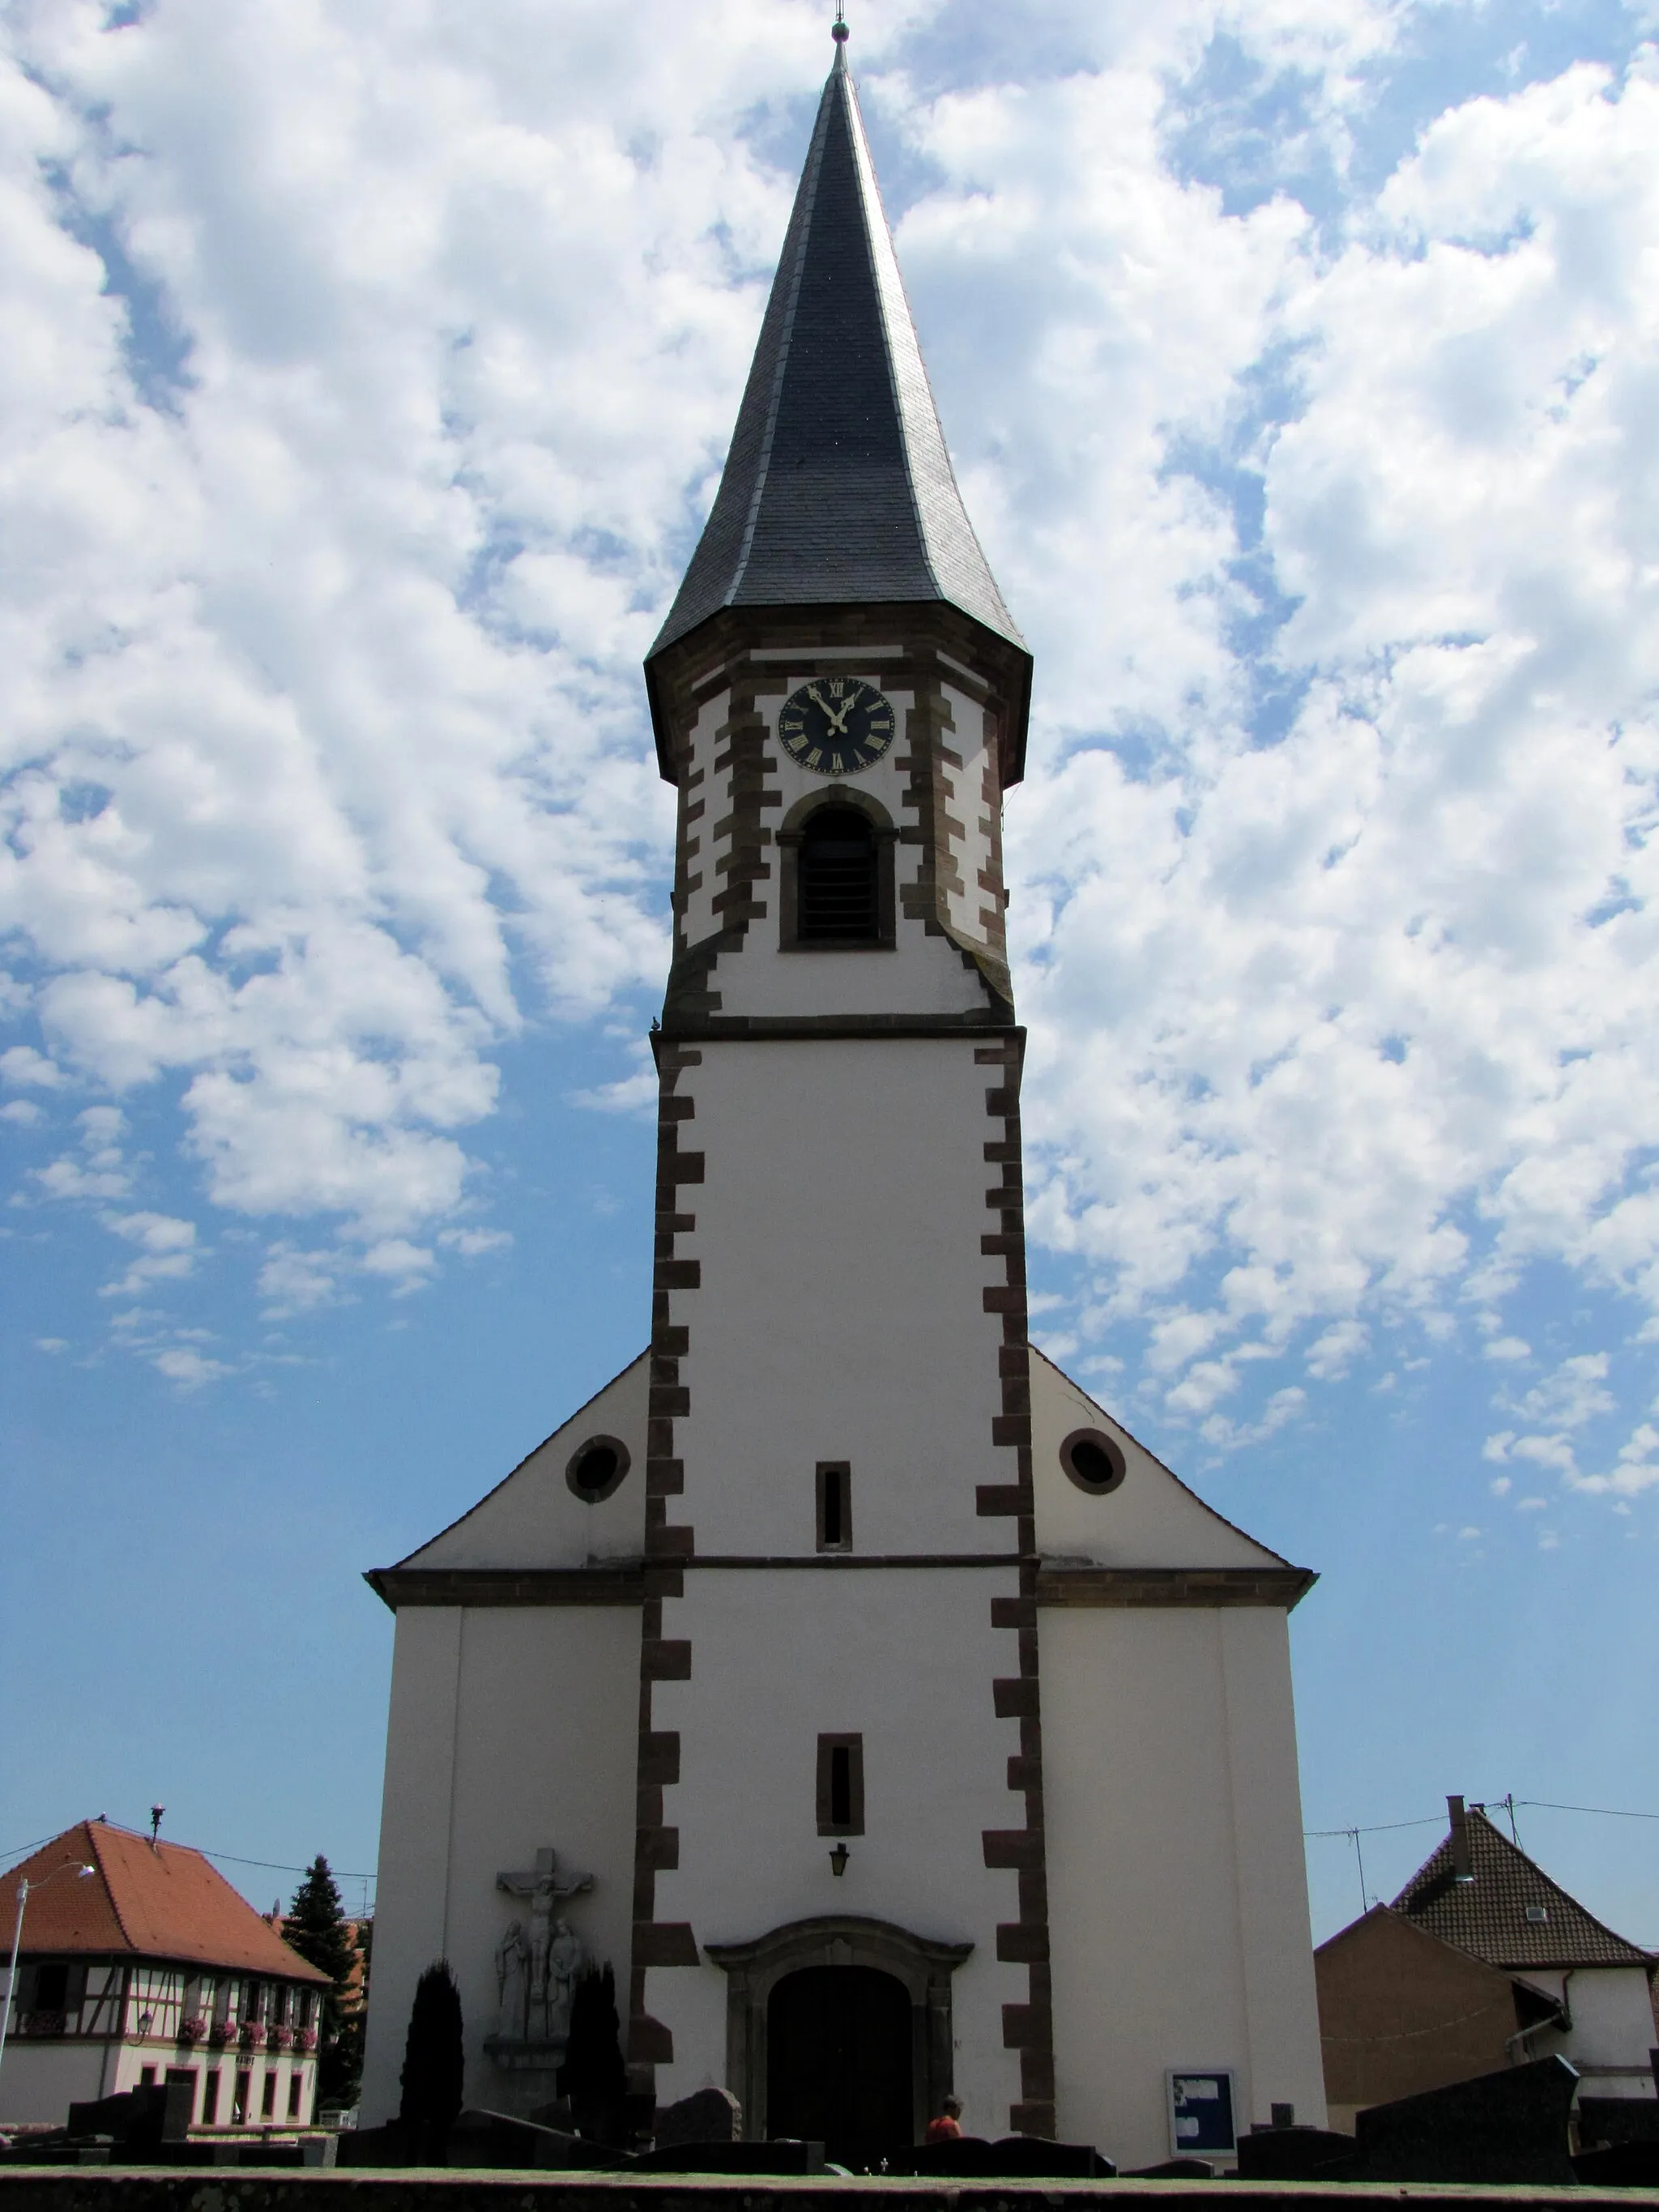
[702,885]
[905,1658]
[1151,1520]
[841,1314]
[41,2080]
[1177,1890]
[974,851]
[1177,1901]
[534,1519]
[512,1728]
[1612,2032]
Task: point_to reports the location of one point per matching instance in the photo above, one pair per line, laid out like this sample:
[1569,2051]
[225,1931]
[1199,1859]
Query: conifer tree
[434,2065]
[317,1929]
[593,2075]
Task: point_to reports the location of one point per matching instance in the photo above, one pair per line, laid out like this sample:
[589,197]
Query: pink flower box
[192,2028]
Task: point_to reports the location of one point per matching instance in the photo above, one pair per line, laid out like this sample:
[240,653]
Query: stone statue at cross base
[566,1955]
[512,1982]
[542,1886]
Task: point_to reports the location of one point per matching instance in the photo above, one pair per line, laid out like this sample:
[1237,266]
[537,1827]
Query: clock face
[836,725]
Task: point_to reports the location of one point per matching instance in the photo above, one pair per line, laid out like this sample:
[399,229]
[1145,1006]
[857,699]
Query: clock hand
[837,722]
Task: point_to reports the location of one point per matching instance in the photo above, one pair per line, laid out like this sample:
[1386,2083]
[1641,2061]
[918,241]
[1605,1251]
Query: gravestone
[708,2116]
[143,2119]
[1506,2127]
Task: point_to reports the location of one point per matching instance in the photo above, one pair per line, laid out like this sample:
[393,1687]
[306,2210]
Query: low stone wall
[90,2189]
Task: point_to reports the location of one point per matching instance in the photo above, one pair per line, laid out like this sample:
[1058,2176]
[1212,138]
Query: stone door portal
[839,2061]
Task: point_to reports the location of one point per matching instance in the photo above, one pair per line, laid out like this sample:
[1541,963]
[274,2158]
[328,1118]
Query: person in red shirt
[948,2126]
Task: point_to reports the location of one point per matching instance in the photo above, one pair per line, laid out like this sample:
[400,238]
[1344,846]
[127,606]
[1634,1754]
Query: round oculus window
[1093,1462]
[596,1468]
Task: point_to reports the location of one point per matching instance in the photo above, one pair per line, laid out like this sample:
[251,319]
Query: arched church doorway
[839,2061]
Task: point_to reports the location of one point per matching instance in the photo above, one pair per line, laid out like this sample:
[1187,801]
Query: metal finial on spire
[838,30]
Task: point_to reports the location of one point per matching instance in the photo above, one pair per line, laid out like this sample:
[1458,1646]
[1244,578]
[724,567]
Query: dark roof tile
[145,1900]
[1487,1917]
[838,490]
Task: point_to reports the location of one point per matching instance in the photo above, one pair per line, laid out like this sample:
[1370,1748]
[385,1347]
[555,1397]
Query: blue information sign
[1200,2113]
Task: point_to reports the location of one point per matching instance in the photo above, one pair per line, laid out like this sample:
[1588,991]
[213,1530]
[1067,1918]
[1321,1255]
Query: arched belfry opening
[835,883]
[837,878]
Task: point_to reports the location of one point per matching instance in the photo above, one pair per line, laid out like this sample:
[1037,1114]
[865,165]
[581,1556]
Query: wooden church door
[838,2062]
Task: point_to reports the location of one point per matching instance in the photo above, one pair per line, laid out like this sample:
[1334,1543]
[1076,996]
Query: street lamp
[24,1887]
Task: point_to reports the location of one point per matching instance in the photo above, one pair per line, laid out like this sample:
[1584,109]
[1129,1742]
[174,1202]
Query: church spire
[838,490]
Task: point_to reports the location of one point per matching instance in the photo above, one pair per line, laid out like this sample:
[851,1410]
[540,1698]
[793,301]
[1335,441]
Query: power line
[1609,1812]
[1380,1828]
[1438,1819]
[274,1866]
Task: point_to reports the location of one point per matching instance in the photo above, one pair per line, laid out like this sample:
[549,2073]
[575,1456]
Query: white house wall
[1611,2033]
[40,2080]
[1175,1887]
[512,1728]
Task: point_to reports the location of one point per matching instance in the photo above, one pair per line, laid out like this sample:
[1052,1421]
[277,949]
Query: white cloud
[188,1368]
[1332,1354]
[295,1281]
[21,1063]
[473,1243]
[167,1252]
[1575,1393]
[320,685]
[1636,1469]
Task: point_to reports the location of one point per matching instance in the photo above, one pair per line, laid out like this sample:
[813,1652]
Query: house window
[210,2097]
[268,2108]
[294,2086]
[239,2099]
[146,2077]
[840,1785]
[834,1505]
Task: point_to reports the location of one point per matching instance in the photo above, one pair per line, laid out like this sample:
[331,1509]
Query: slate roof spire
[838,490]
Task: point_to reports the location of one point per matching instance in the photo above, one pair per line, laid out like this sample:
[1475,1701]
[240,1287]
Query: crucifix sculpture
[555,1954]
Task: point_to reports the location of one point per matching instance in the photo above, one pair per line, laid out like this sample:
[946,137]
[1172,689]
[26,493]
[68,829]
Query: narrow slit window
[840,1785]
[834,1505]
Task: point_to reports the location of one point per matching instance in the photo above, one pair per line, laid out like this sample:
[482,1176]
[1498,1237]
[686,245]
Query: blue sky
[371,374]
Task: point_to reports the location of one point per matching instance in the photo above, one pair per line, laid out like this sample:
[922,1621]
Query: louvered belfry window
[836,881]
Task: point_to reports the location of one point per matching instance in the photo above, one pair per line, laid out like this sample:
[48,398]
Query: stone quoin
[922,1733]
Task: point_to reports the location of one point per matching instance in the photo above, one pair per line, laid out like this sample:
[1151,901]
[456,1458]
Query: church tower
[891,1722]
[840,1706]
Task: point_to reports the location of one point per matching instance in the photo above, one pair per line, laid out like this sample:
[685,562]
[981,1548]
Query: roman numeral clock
[837,726]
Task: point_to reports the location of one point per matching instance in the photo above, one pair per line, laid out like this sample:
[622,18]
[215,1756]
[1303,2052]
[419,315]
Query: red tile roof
[144,1901]
[1488,1916]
